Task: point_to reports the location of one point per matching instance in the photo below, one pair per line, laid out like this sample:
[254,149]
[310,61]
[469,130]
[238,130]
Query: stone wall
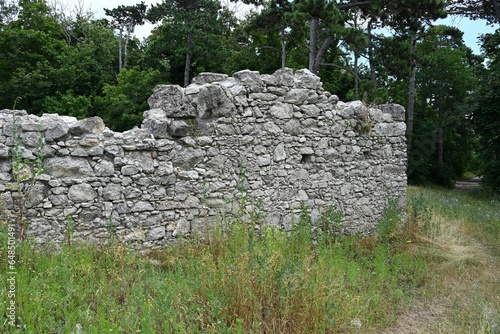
[267,144]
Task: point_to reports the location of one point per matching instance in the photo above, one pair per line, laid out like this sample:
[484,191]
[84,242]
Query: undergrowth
[462,252]
[239,281]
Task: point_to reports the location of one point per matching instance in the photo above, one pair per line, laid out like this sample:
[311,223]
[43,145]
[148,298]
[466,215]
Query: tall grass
[462,251]
[238,281]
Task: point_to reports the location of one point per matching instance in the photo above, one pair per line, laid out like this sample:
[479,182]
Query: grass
[444,258]
[462,250]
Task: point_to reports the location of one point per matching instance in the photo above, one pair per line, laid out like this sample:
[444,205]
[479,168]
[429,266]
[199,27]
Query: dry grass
[462,251]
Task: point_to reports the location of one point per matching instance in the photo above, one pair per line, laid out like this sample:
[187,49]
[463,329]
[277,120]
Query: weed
[26,173]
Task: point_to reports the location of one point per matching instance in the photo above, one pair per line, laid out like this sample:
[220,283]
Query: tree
[476,9]
[125,19]
[190,29]
[486,113]
[30,54]
[8,12]
[124,102]
[443,130]
[409,19]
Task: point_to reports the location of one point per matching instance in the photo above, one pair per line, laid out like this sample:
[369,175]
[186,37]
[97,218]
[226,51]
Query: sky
[471,29]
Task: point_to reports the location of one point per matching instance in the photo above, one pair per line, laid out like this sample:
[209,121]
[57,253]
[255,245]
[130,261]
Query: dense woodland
[67,61]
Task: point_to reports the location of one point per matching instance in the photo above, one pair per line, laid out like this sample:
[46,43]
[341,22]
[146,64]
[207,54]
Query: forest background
[55,59]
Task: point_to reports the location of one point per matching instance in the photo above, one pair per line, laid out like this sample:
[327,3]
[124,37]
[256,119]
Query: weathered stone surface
[89,125]
[282,110]
[112,192]
[297,96]
[395,110]
[171,99]
[284,77]
[212,101]
[104,168]
[208,77]
[80,193]
[56,131]
[180,129]
[68,167]
[280,139]
[305,79]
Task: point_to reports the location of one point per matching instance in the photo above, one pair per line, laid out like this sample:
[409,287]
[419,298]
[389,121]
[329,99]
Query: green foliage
[190,37]
[487,111]
[238,282]
[124,103]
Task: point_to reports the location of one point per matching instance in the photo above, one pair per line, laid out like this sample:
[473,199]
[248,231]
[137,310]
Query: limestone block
[172,100]
[395,110]
[180,128]
[141,207]
[56,130]
[279,152]
[156,233]
[4,151]
[282,110]
[305,79]
[208,77]
[90,125]
[80,193]
[68,167]
[156,122]
[248,78]
[213,101]
[284,77]
[183,228]
[38,193]
[297,96]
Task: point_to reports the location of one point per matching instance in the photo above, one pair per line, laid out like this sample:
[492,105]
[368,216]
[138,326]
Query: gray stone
[284,77]
[56,131]
[156,233]
[264,160]
[112,192]
[68,167]
[282,111]
[80,193]
[91,125]
[141,207]
[183,228]
[171,99]
[248,78]
[104,168]
[279,152]
[208,77]
[297,96]
[305,79]
[157,122]
[395,110]
[213,102]
[180,129]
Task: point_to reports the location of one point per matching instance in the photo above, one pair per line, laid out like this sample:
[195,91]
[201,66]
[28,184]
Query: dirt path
[468,185]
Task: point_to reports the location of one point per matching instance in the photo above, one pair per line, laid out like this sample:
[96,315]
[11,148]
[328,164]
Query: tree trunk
[313,39]
[320,54]
[356,77]
[373,74]
[120,34]
[440,139]
[187,68]
[283,46]
[411,91]
[130,28]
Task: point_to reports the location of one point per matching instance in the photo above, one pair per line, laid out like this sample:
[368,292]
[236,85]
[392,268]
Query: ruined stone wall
[267,144]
